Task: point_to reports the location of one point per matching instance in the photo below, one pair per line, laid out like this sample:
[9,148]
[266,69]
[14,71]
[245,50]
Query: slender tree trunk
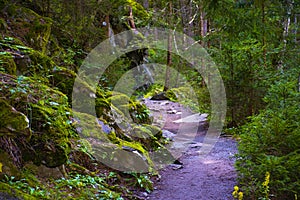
[286,27]
[169,56]
[183,15]
[107,25]
[287,22]
[263,19]
[295,28]
[203,26]
[130,19]
[203,32]
[190,19]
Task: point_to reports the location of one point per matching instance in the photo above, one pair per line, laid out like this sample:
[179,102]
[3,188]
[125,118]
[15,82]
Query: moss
[8,166]
[23,59]
[172,95]
[48,112]
[63,79]
[121,101]
[103,107]
[13,192]
[121,8]
[3,24]
[89,127]
[132,109]
[147,135]
[7,63]
[37,28]
[40,64]
[13,123]
[195,98]
[139,147]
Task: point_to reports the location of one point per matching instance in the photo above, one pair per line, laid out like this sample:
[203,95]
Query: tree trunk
[263,19]
[169,56]
[286,27]
[203,26]
[130,19]
[203,33]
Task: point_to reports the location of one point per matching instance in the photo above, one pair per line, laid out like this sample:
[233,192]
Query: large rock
[160,96]
[47,140]
[13,123]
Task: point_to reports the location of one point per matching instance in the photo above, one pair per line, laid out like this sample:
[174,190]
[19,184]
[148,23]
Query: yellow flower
[240,196]
[1,165]
[235,192]
[267,180]
[236,188]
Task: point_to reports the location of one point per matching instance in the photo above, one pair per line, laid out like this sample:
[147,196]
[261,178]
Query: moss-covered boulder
[13,123]
[109,147]
[147,135]
[88,126]
[48,113]
[28,25]
[63,79]
[133,110]
[19,59]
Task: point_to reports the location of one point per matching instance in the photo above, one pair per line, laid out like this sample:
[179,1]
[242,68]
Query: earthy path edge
[211,177]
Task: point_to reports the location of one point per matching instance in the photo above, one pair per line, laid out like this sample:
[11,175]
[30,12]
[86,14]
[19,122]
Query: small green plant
[143,114]
[142,181]
[24,186]
[87,186]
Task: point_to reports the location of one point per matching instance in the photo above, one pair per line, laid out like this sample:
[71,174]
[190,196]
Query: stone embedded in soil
[168,134]
[160,96]
[198,117]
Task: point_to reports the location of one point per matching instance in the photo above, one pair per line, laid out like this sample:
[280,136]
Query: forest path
[208,177]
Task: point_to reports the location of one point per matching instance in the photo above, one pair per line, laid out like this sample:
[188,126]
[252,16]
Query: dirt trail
[209,177]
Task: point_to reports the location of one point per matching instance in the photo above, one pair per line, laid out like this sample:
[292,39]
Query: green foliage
[270,143]
[195,98]
[75,186]
[22,185]
[11,190]
[85,186]
[43,43]
[153,90]
[142,181]
[47,111]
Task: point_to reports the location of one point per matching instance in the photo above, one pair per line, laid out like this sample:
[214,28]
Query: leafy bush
[270,143]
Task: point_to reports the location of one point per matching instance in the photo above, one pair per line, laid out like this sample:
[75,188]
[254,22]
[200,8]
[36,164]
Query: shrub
[270,143]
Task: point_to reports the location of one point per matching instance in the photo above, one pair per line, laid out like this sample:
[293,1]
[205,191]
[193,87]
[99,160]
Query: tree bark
[169,56]
[203,26]
[203,33]
[130,19]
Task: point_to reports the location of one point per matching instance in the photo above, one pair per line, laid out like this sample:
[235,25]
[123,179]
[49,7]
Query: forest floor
[194,177]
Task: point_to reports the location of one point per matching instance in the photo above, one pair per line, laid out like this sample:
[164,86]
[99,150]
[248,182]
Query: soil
[193,177]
